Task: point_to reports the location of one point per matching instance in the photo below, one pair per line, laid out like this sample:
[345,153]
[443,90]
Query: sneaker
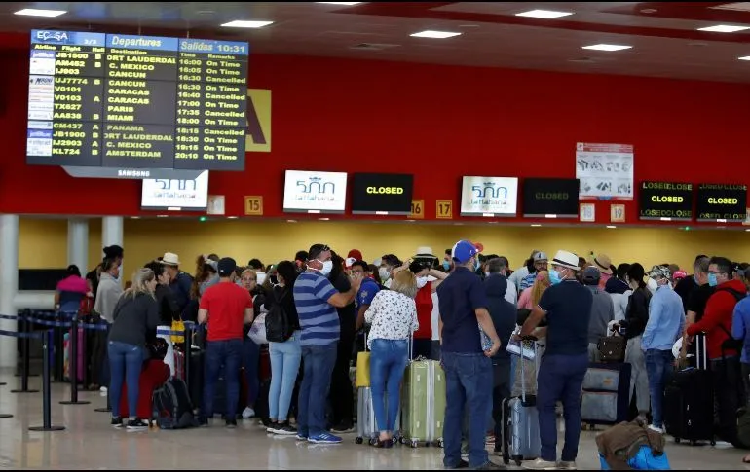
[540,464]
[103,389]
[658,429]
[343,427]
[324,438]
[117,423]
[231,424]
[567,465]
[248,413]
[137,424]
[461,465]
[272,426]
[302,437]
[490,440]
[489,465]
[285,429]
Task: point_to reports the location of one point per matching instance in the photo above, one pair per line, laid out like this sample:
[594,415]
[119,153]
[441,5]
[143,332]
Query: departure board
[136,101]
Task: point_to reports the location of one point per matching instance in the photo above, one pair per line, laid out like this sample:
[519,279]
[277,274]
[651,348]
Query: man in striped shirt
[316,301]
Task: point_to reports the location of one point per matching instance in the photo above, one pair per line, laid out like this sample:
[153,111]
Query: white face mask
[486,274]
[652,285]
[327,267]
[421,282]
[385,274]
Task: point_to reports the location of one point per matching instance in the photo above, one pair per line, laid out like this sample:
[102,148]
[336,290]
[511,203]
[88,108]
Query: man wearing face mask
[717,324]
[447,261]
[316,301]
[468,368]
[566,304]
[387,264]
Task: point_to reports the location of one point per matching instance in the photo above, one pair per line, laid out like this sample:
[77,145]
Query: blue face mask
[712,280]
[554,277]
[477,265]
[446,266]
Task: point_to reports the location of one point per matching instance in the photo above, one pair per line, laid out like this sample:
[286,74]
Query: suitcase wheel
[358,440]
[713,443]
[440,444]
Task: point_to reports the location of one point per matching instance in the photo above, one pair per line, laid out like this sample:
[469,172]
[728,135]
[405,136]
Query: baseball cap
[355,254]
[591,275]
[540,256]
[464,250]
[227,266]
[659,271]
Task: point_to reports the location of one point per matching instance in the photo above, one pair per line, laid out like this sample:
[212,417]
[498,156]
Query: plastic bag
[257,332]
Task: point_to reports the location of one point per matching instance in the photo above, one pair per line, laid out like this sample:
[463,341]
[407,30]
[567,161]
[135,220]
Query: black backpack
[278,327]
[172,408]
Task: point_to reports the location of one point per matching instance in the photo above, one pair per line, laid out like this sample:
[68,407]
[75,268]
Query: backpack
[172,408]
[732,343]
[278,327]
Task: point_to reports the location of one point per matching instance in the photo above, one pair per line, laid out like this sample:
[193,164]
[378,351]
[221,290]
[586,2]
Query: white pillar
[8,286]
[78,243]
[112,233]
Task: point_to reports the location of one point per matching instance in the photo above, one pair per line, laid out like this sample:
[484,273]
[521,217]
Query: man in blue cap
[468,366]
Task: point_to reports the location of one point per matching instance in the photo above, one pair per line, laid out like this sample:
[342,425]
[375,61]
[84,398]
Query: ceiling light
[606,47]
[435,34]
[724,28]
[348,4]
[135,217]
[611,227]
[324,219]
[536,226]
[232,217]
[162,216]
[544,14]
[42,13]
[744,58]
[291,221]
[747,230]
[247,23]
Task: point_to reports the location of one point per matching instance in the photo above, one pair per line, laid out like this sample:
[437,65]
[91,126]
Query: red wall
[438,122]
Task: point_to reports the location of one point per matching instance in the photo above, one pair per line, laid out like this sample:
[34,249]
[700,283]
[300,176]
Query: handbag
[611,349]
[257,332]
[363,367]
[177,325]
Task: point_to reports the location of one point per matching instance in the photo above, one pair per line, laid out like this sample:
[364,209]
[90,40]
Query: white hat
[566,259]
[170,259]
[424,250]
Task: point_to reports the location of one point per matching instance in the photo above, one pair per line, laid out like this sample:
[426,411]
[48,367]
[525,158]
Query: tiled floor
[90,443]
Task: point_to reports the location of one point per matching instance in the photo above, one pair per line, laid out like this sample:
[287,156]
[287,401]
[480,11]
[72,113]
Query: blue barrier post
[59,369]
[47,346]
[73,365]
[25,325]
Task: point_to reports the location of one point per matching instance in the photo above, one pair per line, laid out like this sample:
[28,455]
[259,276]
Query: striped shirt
[318,319]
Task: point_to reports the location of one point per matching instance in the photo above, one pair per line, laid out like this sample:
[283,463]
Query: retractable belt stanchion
[25,332]
[47,346]
[73,365]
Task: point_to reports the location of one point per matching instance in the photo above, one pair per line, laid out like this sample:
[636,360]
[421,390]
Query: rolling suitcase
[67,352]
[367,427]
[605,394]
[689,400]
[521,434]
[423,403]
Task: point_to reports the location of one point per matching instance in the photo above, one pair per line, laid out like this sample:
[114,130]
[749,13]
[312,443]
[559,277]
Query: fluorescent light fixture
[721,220]
[611,227]
[488,215]
[382,213]
[606,47]
[247,23]
[162,216]
[348,4]
[232,217]
[544,14]
[744,58]
[747,230]
[291,221]
[410,221]
[724,28]
[536,226]
[550,216]
[435,34]
[174,208]
[313,211]
[663,218]
[324,219]
[135,217]
[40,13]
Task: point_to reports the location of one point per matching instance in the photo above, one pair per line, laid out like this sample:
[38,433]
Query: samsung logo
[57,36]
[133,173]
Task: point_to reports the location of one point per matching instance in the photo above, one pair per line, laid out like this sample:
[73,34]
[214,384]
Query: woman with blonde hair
[393,316]
[530,297]
[136,317]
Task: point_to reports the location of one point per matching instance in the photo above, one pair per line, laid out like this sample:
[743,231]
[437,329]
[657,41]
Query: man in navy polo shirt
[468,369]
[567,307]
[367,290]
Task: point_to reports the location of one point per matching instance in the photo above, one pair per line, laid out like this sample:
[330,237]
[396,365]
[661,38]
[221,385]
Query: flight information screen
[136,101]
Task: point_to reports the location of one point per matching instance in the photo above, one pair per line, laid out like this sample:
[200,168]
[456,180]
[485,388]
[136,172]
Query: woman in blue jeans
[393,316]
[136,316]
[286,356]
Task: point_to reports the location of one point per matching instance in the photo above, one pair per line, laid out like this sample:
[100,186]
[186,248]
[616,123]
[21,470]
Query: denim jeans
[285,360]
[469,386]
[228,354]
[635,356]
[319,362]
[126,360]
[658,367]
[388,361]
[560,379]
[251,364]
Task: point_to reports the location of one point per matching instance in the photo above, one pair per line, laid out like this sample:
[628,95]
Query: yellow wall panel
[43,241]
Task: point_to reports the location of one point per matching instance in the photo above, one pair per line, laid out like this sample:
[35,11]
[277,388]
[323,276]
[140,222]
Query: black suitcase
[689,401]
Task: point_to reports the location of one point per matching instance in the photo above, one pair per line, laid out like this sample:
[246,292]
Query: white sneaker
[103,389]
[658,429]
[540,464]
[567,465]
[248,413]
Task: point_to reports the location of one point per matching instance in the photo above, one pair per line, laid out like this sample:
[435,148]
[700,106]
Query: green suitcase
[423,403]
